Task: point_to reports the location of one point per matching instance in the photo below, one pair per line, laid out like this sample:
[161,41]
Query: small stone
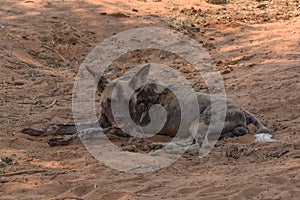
[226,71]
[3,164]
[218,1]
[7,160]
[18,83]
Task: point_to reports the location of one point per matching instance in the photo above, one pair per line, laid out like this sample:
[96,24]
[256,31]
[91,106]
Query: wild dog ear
[140,77]
[99,79]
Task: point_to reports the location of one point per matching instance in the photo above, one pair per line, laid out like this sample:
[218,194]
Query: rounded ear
[99,79]
[140,77]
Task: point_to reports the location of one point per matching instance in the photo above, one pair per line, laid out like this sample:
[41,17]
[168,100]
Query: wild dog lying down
[236,121]
[118,92]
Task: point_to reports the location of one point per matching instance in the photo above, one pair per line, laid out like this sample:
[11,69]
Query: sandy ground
[255,44]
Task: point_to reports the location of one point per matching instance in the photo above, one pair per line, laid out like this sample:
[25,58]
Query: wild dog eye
[108,100]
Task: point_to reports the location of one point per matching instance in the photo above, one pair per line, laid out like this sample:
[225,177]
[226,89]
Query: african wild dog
[236,121]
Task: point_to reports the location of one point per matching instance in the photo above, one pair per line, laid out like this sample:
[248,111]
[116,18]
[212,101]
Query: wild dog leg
[260,128]
[236,132]
[67,132]
[62,141]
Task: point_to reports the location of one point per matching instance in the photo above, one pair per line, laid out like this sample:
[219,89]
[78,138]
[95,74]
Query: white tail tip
[264,137]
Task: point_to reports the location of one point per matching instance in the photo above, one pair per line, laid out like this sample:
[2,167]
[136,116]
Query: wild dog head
[128,93]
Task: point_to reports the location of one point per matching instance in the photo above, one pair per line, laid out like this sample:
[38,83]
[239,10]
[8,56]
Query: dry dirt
[255,45]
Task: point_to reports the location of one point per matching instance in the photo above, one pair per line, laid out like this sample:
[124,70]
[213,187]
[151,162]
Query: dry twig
[54,50]
[23,172]
[28,172]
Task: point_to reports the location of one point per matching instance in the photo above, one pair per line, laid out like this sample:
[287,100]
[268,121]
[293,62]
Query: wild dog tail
[260,128]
